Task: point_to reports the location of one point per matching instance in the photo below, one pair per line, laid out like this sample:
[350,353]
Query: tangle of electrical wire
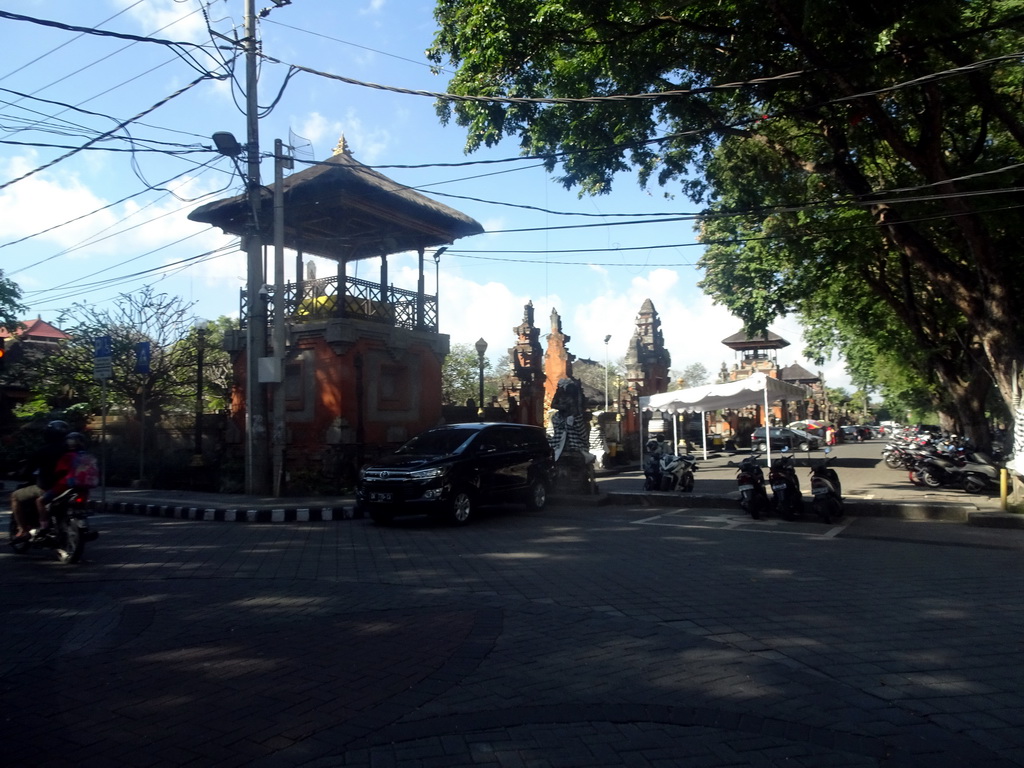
[179,47]
[42,294]
[95,237]
[118,127]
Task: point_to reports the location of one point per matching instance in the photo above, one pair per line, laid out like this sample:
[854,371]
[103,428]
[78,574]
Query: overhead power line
[95,31]
[112,131]
[652,96]
[655,96]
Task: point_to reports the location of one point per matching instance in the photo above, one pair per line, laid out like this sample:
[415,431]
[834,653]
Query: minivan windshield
[438,442]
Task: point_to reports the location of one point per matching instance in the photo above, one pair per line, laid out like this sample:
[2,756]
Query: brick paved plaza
[578,636]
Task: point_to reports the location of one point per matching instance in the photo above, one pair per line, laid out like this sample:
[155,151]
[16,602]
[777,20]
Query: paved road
[577,636]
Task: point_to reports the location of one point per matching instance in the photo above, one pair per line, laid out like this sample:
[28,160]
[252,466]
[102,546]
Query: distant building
[33,340]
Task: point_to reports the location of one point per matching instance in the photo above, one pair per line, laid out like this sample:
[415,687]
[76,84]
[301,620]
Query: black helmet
[57,428]
[77,438]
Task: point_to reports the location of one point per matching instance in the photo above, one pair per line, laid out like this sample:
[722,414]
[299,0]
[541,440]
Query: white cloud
[693,326]
[374,7]
[367,145]
[318,129]
[168,19]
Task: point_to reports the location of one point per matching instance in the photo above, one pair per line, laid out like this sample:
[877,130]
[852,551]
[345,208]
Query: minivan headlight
[427,474]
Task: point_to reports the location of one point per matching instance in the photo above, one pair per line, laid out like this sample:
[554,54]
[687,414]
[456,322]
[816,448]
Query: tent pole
[704,433]
[640,418]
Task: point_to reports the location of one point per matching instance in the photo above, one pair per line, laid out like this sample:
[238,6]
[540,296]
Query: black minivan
[449,471]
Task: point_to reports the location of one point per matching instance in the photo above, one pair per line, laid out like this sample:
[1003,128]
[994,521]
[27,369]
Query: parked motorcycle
[677,472]
[938,468]
[750,479]
[787,500]
[826,490]
[979,473]
[652,466]
[68,530]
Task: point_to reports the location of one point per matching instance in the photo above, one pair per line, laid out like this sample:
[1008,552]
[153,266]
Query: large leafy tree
[460,376]
[873,145]
[168,325]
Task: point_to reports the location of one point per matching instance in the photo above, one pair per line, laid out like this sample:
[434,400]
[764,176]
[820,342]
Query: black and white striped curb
[230,515]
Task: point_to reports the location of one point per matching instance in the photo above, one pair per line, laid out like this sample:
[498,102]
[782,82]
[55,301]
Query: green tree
[10,303]
[66,377]
[693,375]
[889,133]
[460,376]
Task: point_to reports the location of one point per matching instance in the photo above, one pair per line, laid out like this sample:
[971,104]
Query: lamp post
[481,349]
[606,340]
[202,328]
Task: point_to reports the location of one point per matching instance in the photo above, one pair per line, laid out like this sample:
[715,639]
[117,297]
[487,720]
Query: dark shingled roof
[768,340]
[797,373]
[344,210]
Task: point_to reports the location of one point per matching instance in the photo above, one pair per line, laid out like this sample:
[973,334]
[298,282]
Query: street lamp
[202,328]
[606,340]
[481,349]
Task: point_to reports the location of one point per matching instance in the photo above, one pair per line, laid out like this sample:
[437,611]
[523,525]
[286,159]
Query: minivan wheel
[804,446]
[461,508]
[538,496]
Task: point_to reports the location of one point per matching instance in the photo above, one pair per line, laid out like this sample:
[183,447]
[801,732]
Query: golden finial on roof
[342,147]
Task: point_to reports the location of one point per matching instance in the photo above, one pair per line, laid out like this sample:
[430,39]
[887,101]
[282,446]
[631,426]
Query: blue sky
[100,223]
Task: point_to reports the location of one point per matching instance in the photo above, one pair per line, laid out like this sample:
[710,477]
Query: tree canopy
[10,304]
[66,377]
[858,163]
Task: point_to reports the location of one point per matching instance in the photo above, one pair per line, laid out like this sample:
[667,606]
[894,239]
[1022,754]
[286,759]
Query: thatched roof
[767,340]
[797,373]
[342,209]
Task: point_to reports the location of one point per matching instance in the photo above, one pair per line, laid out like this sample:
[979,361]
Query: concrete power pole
[257,453]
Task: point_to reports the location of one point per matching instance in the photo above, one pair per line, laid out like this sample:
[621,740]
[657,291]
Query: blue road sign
[142,357]
[102,346]
[103,361]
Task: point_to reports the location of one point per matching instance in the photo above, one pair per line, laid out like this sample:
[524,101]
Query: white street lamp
[606,340]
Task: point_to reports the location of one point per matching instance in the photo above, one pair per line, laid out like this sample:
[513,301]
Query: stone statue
[569,435]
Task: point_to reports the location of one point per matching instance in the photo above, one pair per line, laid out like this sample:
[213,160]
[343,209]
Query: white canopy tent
[760,388]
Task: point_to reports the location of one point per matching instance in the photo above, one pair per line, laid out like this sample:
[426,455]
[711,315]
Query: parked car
[781,437]
[855,432]
[449,471]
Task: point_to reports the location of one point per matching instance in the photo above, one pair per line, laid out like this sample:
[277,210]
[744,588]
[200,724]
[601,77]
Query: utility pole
[257,454]
[281,162]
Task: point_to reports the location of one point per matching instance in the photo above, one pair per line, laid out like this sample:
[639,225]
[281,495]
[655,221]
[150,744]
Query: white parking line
[676,519]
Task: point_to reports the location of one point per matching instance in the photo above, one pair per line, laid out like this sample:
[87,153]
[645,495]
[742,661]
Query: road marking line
[736,523]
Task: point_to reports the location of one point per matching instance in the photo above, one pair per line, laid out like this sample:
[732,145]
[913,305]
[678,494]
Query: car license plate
[746,488]
[380,497]
[819,491]
[780,487]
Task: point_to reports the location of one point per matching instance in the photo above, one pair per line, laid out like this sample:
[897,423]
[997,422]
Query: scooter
[787,500]
[826,490]
[750,479]
[652,466]
[940,469]
[68,530]
[677,472]
[978,474]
